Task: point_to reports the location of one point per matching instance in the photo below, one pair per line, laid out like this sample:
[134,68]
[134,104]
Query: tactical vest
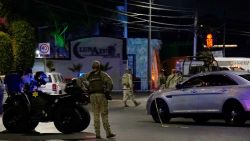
[96,84]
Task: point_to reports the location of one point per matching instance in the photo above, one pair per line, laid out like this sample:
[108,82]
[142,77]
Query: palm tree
[106,67]
[76,68]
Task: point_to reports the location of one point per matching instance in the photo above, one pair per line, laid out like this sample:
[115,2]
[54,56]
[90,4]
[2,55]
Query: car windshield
[58,78]
[246,76]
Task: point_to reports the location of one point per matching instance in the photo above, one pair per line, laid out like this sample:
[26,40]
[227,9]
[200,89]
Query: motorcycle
[24,111]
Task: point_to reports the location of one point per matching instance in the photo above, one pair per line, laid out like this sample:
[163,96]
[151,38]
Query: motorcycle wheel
[68,120]
[15,120]
[85,119]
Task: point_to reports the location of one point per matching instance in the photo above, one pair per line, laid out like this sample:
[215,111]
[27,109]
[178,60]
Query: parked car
[55,84]
[204,96]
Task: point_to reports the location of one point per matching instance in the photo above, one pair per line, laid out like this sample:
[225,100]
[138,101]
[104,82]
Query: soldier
[1,95]
[208,58]
[127,84]
[98,82]
[162,79]
[178,78]
[171,80]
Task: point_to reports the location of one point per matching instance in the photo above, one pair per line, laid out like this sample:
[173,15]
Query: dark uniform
[1,95]
[13,83]
[97,83]
[162,80]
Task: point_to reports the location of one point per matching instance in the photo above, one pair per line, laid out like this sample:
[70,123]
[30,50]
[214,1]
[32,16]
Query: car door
[211,96]
[184,100]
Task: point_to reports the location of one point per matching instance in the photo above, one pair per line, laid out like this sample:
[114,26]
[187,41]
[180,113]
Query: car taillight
[54,87]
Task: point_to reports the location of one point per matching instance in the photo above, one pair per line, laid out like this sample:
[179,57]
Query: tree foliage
[50,65]
[76,68]
[105,67]
[22,35]
[6,57]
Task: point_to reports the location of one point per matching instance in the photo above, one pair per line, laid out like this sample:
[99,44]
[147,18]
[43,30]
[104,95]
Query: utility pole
[149,45]
[125,34]
[195,32]
[224,40]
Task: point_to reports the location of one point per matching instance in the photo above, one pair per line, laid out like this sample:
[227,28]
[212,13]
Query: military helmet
[96,65]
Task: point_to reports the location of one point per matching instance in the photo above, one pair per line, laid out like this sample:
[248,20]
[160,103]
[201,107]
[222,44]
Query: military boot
[137,104]
[111,135]
[125,104]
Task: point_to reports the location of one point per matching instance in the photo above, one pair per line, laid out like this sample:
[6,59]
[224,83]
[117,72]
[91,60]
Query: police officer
[28,80]
[99,82]
[13,82]
[1,95]
[127,83]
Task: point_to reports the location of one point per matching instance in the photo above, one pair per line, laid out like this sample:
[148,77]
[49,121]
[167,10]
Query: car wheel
[15,120]
[234,114]
[32,124]
[200,120]
[68,120]
[160,111]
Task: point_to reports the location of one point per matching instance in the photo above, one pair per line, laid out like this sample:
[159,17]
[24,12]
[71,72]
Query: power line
[153,8]
[123,13]
[162,16]
[112,19]
[182,9]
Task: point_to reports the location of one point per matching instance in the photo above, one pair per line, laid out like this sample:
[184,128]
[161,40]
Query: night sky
[231,17]
[213,15]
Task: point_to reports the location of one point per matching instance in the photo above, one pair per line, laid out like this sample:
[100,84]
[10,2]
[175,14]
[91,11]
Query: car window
[219,80]
[246,76]
[195,82]
[49,78]
[61,77]
[57,79]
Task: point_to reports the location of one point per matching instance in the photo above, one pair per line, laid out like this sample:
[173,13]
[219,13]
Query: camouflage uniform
[95,82]
[208,59]
[173,79]
[127,84]
[162,80]
[170,81]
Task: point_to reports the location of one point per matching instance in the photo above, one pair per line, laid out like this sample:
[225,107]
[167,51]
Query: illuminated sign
[209,40]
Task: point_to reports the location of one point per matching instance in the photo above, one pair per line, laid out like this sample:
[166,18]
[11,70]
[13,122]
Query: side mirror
[178,86]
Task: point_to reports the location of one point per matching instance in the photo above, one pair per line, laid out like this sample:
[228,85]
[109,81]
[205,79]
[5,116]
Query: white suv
[55,84]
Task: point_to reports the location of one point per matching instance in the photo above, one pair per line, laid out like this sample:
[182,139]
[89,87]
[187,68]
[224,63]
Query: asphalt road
[133,124]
